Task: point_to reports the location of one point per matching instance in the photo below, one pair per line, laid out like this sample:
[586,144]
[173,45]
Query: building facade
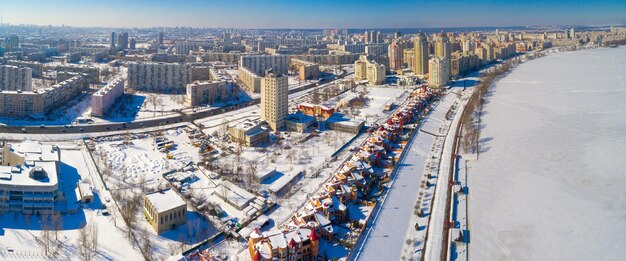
[159,77]
[39,102]
[102,100]
[420,54]
[439,72]
[14,78]
[396,53]
[28,177]
[206,92]
[274,99]
[165,210]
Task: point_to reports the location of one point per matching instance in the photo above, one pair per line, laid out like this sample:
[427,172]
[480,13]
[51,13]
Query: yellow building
[420,54]
[165,210]
[365,69]
[274,99]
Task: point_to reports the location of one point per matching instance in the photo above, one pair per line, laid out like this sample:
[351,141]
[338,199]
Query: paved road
[139,124]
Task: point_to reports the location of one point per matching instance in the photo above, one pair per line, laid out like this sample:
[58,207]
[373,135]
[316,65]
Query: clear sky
[313,13]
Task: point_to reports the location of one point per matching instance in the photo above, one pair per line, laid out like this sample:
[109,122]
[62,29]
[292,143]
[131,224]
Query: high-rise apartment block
[274,99]
[122,41]
[439,72]
[38,102]
[159,77]
[420,54]
[14,78]
[396,52]
[160,38]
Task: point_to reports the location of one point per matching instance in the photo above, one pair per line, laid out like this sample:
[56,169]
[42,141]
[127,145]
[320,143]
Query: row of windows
[171,216]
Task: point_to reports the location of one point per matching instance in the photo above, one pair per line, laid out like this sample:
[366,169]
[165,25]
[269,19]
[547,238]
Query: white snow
[550,183]
[393,220]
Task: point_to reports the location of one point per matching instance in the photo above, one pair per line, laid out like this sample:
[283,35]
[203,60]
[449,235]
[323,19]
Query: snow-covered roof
[165,200]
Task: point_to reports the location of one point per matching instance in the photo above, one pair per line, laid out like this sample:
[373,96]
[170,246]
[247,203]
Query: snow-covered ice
[550,181]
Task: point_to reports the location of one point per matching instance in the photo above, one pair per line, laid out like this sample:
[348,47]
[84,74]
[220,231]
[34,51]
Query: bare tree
[85,244]
[94,238]
[57,223]
[46,235]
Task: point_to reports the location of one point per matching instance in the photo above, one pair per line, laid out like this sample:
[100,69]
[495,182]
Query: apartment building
[207,92]
[159,77]
[420,54]
[102,100]
[439,72]
[366,69]
[14,78]
[39,102]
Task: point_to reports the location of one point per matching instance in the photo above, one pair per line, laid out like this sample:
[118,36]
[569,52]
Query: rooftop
[165,200]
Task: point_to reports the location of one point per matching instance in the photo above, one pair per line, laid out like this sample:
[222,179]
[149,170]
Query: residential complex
[252,69]
[370,70]
[38,102]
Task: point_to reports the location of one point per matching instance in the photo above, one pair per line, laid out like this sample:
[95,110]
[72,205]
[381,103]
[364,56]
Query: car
[81,129]
[63,130]
[23,130]
[42,126]
[108,128]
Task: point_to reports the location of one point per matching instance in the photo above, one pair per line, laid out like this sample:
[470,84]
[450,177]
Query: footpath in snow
[392,220]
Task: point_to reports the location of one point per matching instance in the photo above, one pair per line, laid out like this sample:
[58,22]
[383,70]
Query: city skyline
[311,15]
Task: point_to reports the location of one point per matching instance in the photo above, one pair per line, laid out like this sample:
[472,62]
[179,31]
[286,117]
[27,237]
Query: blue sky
[312,13]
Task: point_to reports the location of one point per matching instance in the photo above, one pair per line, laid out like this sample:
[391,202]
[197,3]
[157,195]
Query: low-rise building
[339,123]
[249,133]
[299,244]
[165,210]
[316,110]
[299,122]
[29,174]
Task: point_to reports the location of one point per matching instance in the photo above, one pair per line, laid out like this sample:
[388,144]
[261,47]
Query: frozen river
[551,181]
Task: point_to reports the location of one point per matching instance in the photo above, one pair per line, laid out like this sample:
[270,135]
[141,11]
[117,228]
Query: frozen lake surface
[551,183]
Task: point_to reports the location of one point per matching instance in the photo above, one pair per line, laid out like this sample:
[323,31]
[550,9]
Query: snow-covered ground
[20,232]
[550,181]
